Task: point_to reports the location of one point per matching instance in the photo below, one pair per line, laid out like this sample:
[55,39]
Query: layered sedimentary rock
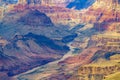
[28,47]
[100,70]
[96,14]
[82,58]
[108,41]
[103,15]
[24,51]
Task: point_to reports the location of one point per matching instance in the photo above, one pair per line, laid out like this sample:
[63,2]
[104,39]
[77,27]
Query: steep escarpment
[24,45]
[33,40]
[100,69]
[34,21]
[104,15]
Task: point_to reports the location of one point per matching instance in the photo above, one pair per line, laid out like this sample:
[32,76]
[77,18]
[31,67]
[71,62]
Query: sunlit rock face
[60,3]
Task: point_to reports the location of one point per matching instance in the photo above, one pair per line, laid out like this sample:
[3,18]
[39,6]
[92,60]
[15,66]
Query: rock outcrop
[100,69]
[35,18]
[29,51]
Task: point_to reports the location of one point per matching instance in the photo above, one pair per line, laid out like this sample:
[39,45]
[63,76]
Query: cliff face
[104,14]
[101,13]
[27,44]
[100,69]
[37,41]
[97,73]
[61,3]
[32,45]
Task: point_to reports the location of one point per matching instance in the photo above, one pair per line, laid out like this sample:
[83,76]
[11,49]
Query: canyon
[75,40]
